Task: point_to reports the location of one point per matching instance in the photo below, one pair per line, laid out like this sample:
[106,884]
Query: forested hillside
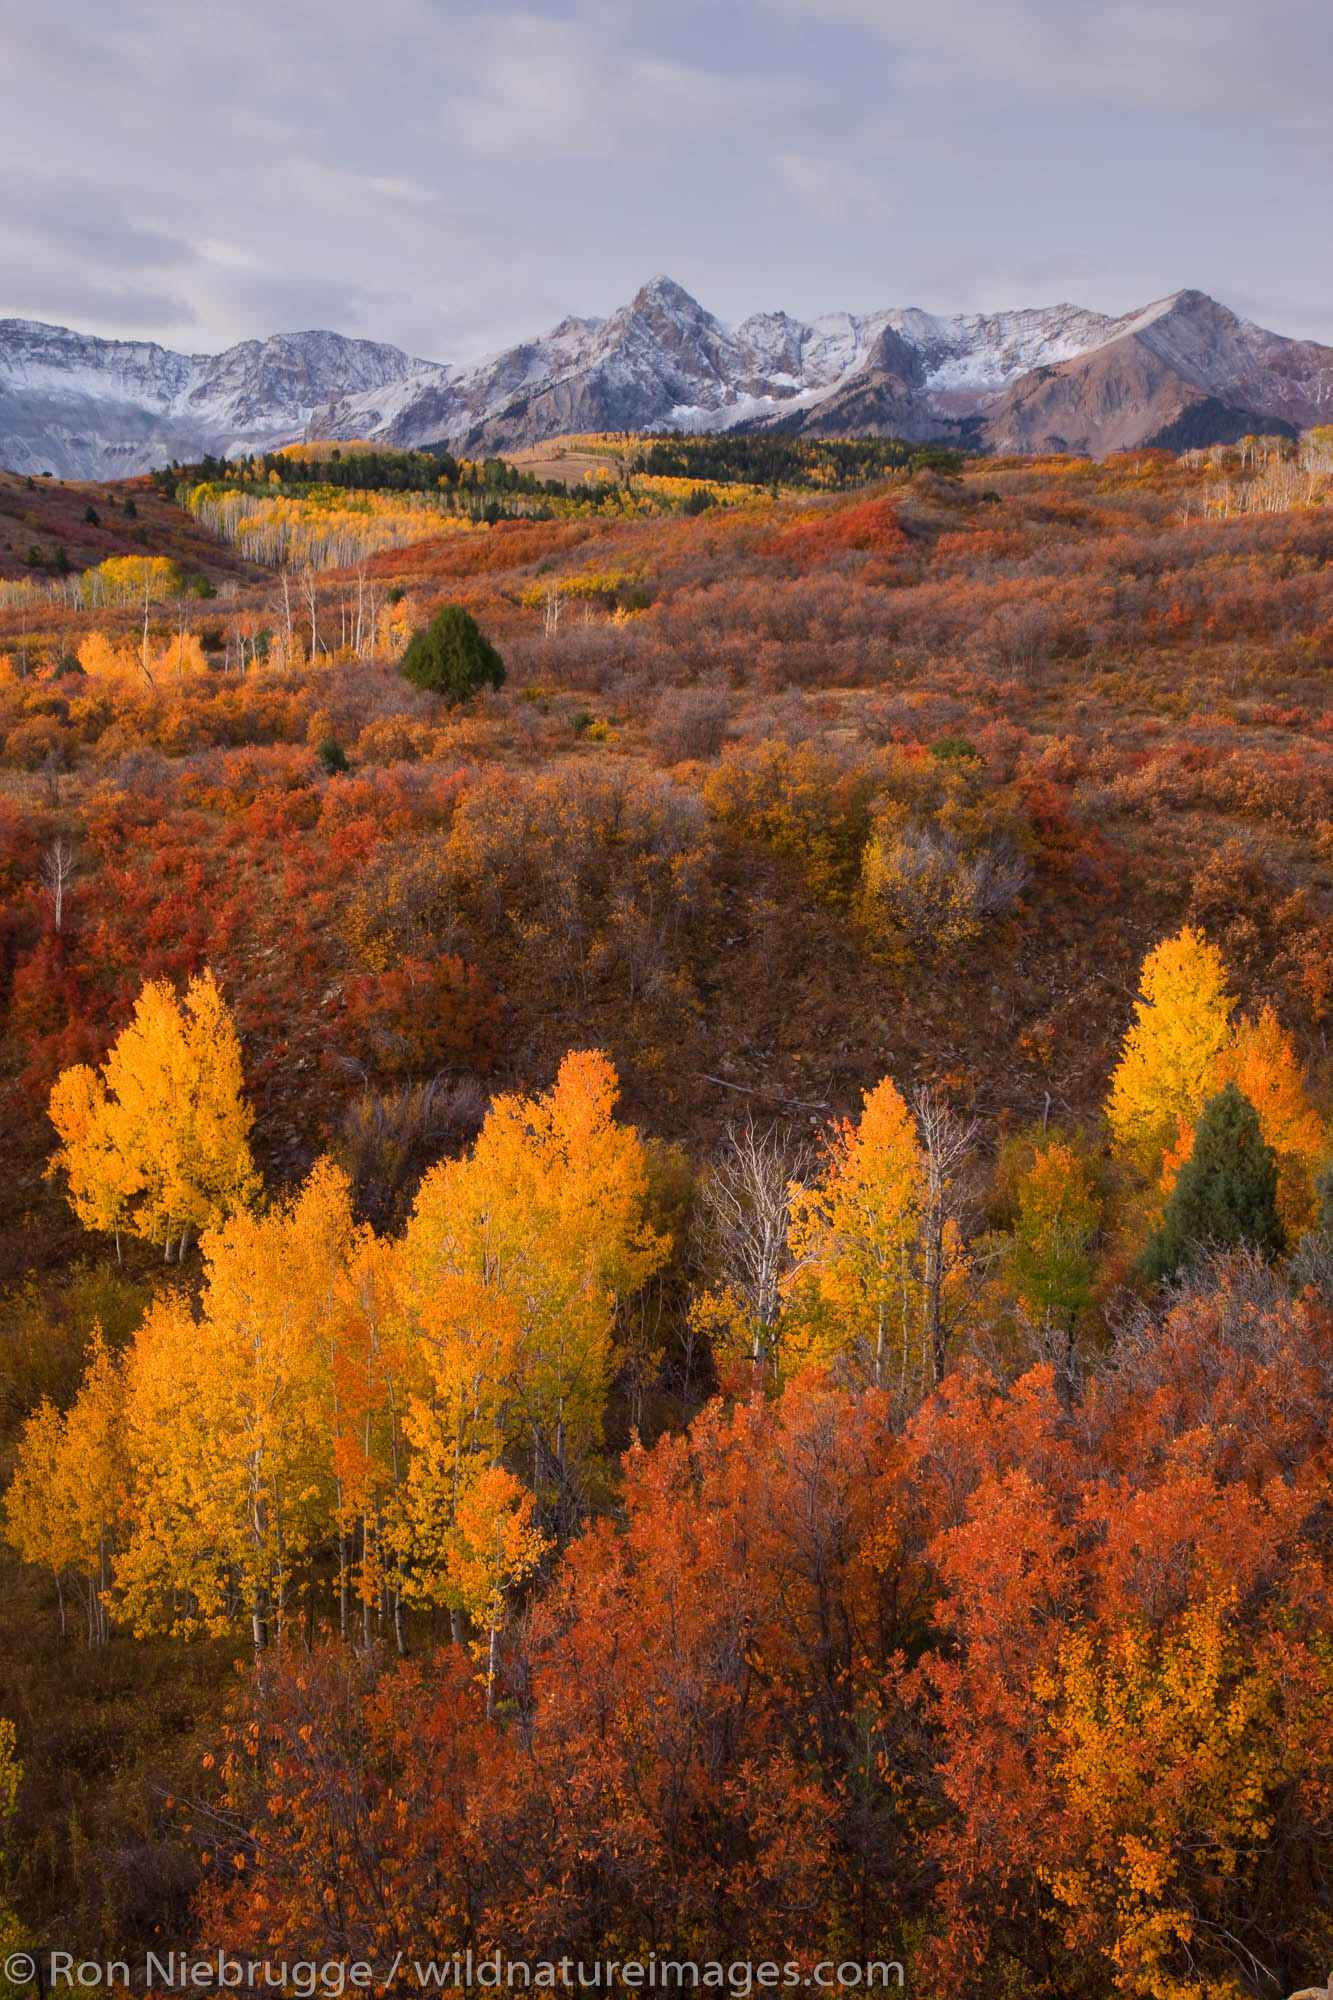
[667,1237]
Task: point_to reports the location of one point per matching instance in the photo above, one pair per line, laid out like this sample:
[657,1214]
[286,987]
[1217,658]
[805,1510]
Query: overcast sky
[451,175]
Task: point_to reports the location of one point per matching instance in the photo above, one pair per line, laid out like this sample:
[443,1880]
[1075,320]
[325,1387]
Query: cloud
[79,218]
[835,192]
[74,247]
[452,176]
[531,87]
[1230,58]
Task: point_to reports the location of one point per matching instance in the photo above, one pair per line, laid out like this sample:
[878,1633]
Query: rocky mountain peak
[1055,377]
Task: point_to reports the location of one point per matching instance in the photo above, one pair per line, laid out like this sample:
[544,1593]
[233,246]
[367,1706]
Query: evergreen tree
[452,656]
[1226,1192]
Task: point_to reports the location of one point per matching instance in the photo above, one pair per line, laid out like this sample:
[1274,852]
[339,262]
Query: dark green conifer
[452,656]
[1225,1194]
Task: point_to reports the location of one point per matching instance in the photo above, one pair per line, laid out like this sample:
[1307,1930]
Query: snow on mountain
[984,353]
[1037,378]
[89,408]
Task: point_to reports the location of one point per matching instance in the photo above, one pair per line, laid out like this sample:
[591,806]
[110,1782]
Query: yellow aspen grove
[227,1422]
[128,580]
[854,1238]
[513,1264]
[65,1503]
[1168,1065]
[159,1141]
[370,1361]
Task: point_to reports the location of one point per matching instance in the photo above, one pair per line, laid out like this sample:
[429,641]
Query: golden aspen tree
[514,1260]
[101,1178]
[369,1363]
[495,1547]
[34,1525]
[854,1242]
[65,1503]
[159,1141]
[1168,1064]
[471,1338]
[94,1482]
[227,1422]
[1129,1712]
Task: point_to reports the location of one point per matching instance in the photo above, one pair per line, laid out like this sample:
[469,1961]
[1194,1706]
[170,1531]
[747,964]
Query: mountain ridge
[1058,377]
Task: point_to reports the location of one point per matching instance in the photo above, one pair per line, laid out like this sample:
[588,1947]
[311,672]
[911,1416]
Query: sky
[454,175]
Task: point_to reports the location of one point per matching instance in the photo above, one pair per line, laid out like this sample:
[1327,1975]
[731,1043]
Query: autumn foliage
[159,1141]
[604,1237]
[1017,1690]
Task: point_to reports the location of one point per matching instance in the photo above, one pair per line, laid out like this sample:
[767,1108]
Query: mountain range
[1183,371]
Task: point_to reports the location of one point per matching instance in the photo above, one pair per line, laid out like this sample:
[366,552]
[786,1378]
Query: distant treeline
[826,464]
[366,471]
[774,459]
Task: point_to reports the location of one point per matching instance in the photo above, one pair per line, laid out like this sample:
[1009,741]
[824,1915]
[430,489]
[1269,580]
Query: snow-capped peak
[86,407]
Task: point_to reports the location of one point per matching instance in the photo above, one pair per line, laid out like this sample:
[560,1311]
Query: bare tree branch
[746,1203]
[59,865]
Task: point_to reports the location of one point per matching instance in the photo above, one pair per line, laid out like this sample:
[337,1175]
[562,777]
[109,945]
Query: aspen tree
[101,1175]
[158,1141]
[1057,1219]
[745,1200]
[12,1934]
[227,1424]
[65,1503]
[880,1269]
[854,1237]
[495,1547]
[34,1526]
[1168,1064]
[369,1362]
[513,1264]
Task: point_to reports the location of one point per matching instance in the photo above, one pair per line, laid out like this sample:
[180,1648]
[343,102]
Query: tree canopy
[157,1142]
[452,657]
